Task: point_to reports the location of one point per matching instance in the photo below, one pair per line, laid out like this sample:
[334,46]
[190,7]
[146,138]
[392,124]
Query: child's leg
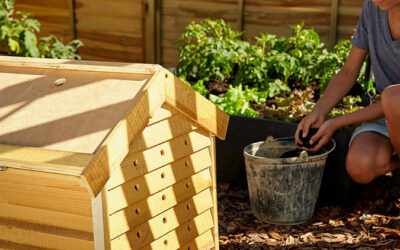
[369,156]
[391,107]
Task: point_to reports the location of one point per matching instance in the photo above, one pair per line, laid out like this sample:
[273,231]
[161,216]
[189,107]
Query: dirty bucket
[283,190]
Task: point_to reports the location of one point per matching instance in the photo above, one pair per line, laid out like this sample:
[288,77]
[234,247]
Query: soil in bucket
[283,190]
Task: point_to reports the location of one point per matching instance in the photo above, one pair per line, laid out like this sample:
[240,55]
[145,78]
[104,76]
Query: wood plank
[30,215]
[204,241]
[158,226]
[44,160]
[145,209]
[44,191]
[161,114]
[161,132]
[139,163]
[176,239]
[214,209]
[122,222]
[81,65]
[100,221]
[196,106]
[17,238]
[114,149]
[153,182]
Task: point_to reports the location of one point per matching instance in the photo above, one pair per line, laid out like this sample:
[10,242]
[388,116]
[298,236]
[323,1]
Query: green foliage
[236,100]
[285,67]
[18,35]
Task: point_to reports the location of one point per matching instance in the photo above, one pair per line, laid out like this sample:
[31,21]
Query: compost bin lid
[65,105]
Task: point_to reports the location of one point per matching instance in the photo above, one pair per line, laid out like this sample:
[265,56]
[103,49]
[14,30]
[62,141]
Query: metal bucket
[283,190]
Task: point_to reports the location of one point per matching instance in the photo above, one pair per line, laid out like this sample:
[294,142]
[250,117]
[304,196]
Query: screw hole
[188,228]
[166,75]
[163,197]
[162,175]
[138,234]
[162,152]
[186,164]
[165,242]
[136,187]
[164,220]
[135,163]
[186,142]
[188,206]
[188,248]
[137,211]
[187,185]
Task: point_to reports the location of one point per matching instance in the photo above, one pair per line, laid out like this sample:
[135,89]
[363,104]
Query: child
[374,144]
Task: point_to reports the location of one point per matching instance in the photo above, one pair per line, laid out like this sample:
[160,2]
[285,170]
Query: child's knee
[359,168]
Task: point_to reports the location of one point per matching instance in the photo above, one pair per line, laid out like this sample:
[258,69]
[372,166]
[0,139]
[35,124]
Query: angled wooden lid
[90,110]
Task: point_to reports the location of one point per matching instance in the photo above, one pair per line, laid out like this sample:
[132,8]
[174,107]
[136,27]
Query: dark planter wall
[242,131]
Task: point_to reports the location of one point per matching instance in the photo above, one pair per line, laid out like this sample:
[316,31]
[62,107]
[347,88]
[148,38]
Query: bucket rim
[313,157]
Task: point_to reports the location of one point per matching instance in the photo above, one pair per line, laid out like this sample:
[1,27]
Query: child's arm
[337,88]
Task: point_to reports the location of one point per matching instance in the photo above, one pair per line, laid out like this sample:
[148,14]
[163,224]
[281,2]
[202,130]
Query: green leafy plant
[18,36]
[272,69]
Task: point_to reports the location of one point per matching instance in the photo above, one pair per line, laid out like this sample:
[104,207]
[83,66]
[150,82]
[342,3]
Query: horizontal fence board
[204,241]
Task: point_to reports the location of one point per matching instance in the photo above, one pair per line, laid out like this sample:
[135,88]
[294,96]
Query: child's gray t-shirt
[373,34]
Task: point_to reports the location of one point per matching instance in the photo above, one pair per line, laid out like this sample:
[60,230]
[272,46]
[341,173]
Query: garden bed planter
[242,131]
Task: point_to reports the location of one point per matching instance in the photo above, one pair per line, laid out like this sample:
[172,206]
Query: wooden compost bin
[131,135]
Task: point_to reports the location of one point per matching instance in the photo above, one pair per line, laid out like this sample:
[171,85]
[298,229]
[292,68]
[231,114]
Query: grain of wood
[151,183]
[145,234]
[43,160]
[14,237]
[204,241]
[44,191]
[45,217]
[195,106]
[137,164]
[141,212]
[214,209]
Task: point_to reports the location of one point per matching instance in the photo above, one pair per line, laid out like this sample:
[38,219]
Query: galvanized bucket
[283,190]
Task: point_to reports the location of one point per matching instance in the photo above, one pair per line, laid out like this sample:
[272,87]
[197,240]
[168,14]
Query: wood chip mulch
[371,222]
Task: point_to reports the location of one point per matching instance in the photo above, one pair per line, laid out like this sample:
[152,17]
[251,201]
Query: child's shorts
[378,126]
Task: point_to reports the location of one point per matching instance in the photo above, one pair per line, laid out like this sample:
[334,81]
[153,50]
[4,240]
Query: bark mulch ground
[371,222]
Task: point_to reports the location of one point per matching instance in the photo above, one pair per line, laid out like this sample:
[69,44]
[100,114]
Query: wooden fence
[144,30]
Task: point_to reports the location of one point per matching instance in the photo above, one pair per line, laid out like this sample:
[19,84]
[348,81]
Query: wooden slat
[161,132]
[334,16]
[196,106]
[214,209]
[12,237]
[44,160]
[137,164]
[44,191]
[116,146]
[204,241]
[145,209]
[141,212]
[161,114]
[160,225]
[44,217]
[151,183]
[184,233]
[81,65]
[101,221]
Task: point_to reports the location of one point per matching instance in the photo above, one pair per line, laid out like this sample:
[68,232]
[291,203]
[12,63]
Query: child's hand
[312,120]
[323,135]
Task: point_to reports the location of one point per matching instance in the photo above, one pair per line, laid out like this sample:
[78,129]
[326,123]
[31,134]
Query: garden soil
[372,221]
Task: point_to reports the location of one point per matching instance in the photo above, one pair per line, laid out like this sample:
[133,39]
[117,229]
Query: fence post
[71,6]
[240,13]
[149,31]
[334,16]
